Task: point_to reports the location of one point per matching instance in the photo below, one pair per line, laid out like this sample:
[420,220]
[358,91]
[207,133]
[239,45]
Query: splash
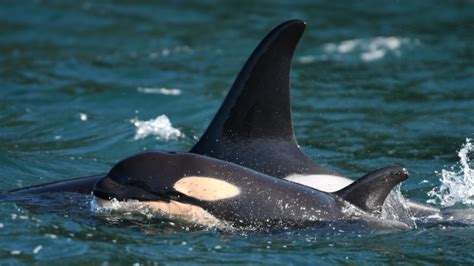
[457,183]
[124,207]
[160,127]
[395,208]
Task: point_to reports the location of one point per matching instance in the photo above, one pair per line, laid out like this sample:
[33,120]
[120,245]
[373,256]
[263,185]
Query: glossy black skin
[263,200]
[253,126]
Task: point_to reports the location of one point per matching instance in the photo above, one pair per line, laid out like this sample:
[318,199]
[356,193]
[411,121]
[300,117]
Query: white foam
[164,91]
[372,55]
[37,249]
[370,49]
[160,127]
[457,183]
[121,206]
[83,116]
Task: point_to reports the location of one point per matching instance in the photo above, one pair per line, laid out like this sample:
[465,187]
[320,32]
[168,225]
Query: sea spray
[457,183]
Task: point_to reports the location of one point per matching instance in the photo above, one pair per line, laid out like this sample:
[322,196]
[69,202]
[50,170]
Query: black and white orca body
[206,190]
[252,130]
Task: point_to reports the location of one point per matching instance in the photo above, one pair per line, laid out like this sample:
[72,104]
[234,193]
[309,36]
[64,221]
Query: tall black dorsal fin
[258,104]
[370,191]
[253,126]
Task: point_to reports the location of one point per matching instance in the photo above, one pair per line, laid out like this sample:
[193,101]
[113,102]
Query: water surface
[374,83]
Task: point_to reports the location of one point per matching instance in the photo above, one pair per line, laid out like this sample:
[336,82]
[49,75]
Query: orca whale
[253,127]
[206,191]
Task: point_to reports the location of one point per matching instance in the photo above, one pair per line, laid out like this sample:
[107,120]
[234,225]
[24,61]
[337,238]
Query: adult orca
[254,127]
[207,191]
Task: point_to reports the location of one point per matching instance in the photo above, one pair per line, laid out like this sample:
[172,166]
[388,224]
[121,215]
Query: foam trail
[457,183]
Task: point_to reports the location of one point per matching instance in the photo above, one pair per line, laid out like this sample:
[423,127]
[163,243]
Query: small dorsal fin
[370,191]
[258,104]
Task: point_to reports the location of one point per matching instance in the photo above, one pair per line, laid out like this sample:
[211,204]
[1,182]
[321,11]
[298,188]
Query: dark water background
[374,83]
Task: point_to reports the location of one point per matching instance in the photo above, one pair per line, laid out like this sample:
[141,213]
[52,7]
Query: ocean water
[85,84]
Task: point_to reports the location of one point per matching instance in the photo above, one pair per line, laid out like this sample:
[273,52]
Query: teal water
[374,83]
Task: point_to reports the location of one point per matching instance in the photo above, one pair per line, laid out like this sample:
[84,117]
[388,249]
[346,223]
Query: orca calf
[209,191]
